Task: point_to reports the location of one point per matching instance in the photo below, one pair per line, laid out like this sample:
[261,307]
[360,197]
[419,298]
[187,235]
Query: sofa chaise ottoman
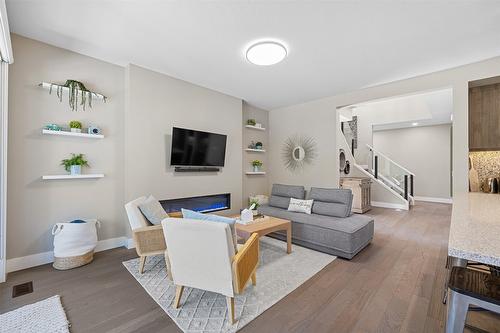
[330,228]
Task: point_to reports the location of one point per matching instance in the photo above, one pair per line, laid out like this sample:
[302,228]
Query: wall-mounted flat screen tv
[197,148]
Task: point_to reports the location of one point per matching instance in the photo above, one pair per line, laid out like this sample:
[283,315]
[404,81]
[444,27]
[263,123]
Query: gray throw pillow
[152,210]
[331,209]
[280,202]
[290,191]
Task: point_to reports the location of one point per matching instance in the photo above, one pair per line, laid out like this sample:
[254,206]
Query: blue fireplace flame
[202,204]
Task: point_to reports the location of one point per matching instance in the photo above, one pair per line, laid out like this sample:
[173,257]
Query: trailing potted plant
[78,94]
[251,122]
[75,126]
[74,164]
[256,165]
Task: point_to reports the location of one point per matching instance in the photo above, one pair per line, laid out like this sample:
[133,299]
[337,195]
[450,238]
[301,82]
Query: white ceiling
[426,108]
[334,47]
[423,109]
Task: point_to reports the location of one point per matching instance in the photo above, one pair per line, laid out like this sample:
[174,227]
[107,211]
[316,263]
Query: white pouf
[74,243]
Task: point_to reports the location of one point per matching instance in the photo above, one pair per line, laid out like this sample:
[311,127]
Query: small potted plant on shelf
[75,126]
[256,165]
[74,164]
[251,122]
[254,204]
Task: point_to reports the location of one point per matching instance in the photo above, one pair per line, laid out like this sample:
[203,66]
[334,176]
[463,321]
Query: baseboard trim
[3,268]
[389,205]
[110,243]
[130,243]
[17,264]
[432,199]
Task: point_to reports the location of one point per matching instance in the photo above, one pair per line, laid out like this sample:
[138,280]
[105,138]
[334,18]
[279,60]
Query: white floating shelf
[84,176]
[255,127]
[256,150]
[47,85]
[66,133]
[255,173]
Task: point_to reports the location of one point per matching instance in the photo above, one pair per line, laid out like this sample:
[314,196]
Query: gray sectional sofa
[330,228]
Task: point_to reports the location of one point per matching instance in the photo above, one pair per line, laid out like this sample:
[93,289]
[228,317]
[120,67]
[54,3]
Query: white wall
[318,118]
[34,206]
[156,103]
[255,184]
[424,150]
[433,107]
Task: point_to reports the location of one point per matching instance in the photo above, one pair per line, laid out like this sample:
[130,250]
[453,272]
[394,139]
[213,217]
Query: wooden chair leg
[141,264]
[167,265]
[254,279]
[178,295]
[230,309]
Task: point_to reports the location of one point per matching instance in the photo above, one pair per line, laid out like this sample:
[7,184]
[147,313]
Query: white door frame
[6,59]
[4,79]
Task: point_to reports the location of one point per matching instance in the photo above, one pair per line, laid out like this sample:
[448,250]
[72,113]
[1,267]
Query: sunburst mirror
[298,151]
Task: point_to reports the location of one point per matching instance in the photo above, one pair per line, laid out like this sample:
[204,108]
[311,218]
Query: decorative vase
[76,130]
[256,168]
[53,127]
[76,170]
[255,212]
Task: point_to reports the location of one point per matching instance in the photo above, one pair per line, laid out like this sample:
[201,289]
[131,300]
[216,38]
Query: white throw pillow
[152,210]
[300,206]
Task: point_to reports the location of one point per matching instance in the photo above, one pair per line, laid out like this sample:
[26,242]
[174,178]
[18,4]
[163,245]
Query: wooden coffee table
[265,225]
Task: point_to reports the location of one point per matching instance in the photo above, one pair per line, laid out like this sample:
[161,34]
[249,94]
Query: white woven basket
[74,243]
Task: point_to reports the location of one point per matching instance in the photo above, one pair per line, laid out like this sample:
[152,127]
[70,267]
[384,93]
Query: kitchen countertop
[475,228]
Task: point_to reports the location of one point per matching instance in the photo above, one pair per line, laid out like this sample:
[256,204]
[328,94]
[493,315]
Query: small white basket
[74,243]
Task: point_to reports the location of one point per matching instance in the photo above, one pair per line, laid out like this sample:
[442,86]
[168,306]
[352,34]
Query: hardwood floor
[394,285]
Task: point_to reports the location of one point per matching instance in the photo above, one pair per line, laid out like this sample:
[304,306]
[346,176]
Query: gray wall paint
[253,185]
[423,150]
[34,206]
[143,104]
[319,119]
[156,103]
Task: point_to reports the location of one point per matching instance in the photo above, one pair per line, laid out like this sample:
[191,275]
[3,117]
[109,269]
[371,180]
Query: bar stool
[467,287]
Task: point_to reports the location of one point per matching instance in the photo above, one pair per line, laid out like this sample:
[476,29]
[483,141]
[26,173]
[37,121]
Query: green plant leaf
[74,160]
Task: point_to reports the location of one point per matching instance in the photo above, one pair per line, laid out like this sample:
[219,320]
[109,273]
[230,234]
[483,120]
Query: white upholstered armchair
[148,238]
[202,256]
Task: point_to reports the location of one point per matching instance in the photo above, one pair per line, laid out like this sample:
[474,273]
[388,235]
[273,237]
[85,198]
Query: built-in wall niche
[486,164]
[203,204]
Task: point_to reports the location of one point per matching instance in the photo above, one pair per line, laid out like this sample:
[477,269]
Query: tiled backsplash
[486,163]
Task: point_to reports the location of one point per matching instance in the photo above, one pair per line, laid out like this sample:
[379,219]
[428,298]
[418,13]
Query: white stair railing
[391,173]
[392,176]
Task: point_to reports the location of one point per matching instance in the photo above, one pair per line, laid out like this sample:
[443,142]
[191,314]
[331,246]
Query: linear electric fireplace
[203,204]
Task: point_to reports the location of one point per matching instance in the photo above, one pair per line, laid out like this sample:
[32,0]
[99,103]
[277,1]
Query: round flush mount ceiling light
[266,53]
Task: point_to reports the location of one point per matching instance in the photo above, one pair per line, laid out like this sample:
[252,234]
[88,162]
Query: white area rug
[44,316]
[278,274]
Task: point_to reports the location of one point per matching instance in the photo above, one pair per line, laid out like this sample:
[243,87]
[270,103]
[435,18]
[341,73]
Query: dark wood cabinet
[484,118]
